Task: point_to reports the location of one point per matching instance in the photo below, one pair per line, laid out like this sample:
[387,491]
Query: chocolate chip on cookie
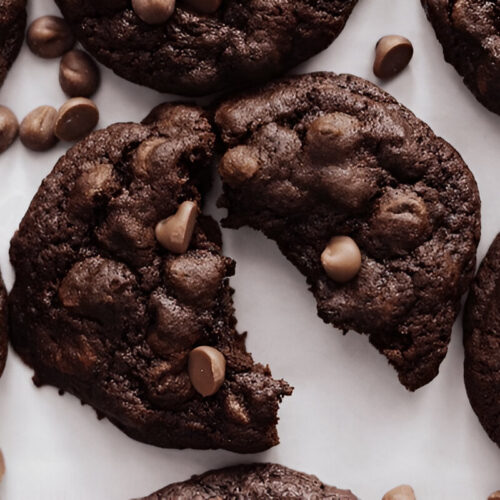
[321,156]
[207,370]
[175,232]
[154,11]
[341,259]
[103,311]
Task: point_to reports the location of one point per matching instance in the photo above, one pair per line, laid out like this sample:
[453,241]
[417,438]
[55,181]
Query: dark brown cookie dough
[251,482]
[3,326]
[469,31]
[319,156]
[243,42]
[101,310]
[482,343]
[12,25]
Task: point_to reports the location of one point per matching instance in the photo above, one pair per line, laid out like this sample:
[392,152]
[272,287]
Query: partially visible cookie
[379,214]
[197,51]
[3,326]
[122,295]
[252,482]
[482,343]
[12,25]
[469,31]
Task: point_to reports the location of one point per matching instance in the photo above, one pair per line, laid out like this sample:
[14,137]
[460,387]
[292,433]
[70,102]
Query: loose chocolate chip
[154,11]
[393,53]
[238,165]
[495,496]
[76,119]
[9,128]
[207,370]
[403,492]
[175,232]
[49,37]
[341,259]
[78,74]
[37,129]
[204,6]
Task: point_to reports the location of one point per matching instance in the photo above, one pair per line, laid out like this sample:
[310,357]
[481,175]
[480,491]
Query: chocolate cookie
[12,25]
[379,214]
[3,326]
[482,343]
[142,331]
[195,53]
[255,481]
[469,31]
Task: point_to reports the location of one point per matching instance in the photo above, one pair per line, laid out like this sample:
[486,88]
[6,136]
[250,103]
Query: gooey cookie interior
[104,309]
[317,157]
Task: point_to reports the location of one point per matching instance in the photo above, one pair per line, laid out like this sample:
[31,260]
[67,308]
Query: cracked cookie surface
[320,156]
[243,42]
[12,25]
[252,482]
[482,343]
[101,310]
[469,31]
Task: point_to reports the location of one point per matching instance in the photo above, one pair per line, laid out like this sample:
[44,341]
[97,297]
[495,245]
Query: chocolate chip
[93,188]
[331,137]
[204,6]
[78,74]
[76,119]
[49,37]
[196,276]
[238,165]
[495,496]
[207,370]
[403,492]
[37,129]
[9,128]
[154,11]
[341,259]
[393,53]
[177,327]
[400,222]
[175,232]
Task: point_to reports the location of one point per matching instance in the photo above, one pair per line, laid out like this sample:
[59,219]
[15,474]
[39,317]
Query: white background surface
[349,420]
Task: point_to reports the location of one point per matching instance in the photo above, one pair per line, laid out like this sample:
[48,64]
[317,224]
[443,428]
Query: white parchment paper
[349,420]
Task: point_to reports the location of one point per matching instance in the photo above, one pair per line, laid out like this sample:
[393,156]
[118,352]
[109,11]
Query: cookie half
[12,25]
[469,31]
[482,343]
[193,53]
[252,482]
[319,156]
[100,309]
[3,326]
